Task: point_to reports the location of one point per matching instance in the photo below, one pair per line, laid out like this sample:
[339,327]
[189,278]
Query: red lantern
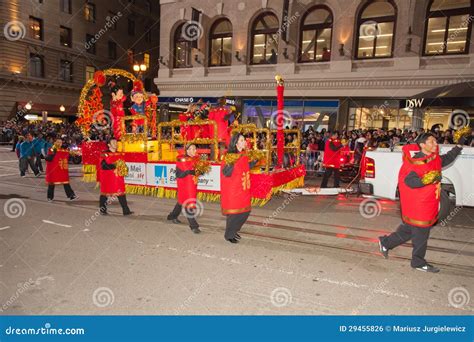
[99,78]
[154,99]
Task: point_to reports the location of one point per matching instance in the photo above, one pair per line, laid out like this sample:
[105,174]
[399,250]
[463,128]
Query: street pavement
[299,255]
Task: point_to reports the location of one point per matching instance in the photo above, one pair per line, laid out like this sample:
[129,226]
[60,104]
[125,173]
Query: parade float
[150,148]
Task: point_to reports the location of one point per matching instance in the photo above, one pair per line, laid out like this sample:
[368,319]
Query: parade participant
[235,187]
[116,108]
[138,107]
[188,168]
[419,183]
[112,184]
[27,156]
[332,160]
[221,116]
[39,149]
[57,170]
[186,130]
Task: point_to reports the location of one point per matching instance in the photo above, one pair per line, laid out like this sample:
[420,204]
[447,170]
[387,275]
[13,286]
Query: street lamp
[28,106]
[136,68]
[142,67]
[62,108]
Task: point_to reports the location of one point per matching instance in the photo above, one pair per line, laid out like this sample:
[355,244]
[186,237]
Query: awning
[453,95]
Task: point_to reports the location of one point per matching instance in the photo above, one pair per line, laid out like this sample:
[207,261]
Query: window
[131,27]
[148,6]
[112,19]
[146,60]
[264,45]
[148,34]
[376,24]
[66,6]
[448,27]
[112,50]
[315,35]
[90,70]
[65,36]
[36,28]
[90,43]
[220,43]
[89,12]
[36,65]
[182,49]
[65,71]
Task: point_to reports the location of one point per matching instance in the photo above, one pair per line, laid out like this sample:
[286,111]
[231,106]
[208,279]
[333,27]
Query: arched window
[315,35]
[220,43]
[448,26]
[264,44]
[375,29]
[182,49]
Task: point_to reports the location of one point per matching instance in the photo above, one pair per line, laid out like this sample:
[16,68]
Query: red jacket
[187,132]
[187,184]
[332,158]
[57,170]
[218,115]
[116,108]
[111,184]
[235,190]
[419,206]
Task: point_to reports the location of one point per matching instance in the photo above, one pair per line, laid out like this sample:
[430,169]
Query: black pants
[67,189]
[419,238]
[234,223]
[190,215]
[122,200]
[327,174]
[24,162]
[38,163]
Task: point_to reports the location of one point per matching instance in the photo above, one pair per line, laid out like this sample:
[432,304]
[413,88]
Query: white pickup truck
[381,177]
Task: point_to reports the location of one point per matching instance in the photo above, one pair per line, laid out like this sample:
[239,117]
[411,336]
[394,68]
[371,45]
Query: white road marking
[6,227]
[9,161]
[9,174]
[57,224]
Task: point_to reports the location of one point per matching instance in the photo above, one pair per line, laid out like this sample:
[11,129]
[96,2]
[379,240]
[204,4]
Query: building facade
[346,63]
[50,48]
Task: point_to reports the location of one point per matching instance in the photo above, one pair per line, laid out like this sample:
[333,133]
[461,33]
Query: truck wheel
[446,206]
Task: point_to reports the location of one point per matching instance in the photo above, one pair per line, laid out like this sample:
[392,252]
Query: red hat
[137,87]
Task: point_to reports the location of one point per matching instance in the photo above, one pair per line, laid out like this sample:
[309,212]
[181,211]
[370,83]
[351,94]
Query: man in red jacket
[187,188]
[419,183]
[221,116]
[57,170]
[112,183]
[332,160]
[235,187]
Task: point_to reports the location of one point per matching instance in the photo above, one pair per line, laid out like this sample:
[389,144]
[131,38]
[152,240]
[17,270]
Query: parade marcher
[27,154]
[57,170]
[39,149]
[116,108]
[332,160]
[221,116]
[187,173]
[112,184]
[235,187]
[419,183]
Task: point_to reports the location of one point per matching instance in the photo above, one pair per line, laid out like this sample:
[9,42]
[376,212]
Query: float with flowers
[114,104]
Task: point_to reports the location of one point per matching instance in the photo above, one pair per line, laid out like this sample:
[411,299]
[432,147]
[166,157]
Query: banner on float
[136,174]
[165,175]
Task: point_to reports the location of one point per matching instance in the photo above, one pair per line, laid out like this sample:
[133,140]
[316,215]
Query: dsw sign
[414,103]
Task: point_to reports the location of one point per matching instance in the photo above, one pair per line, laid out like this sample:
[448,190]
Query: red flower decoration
[153,99]
[137,86]
[99,78]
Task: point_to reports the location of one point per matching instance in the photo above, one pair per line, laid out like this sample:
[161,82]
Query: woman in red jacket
[187,188]
[57,170]
[235,187]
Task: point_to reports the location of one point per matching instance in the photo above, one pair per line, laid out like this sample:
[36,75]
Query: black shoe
[50,199]
[176,221]
[196,230]
[237,236]
[38,174]
[73,197]
[428,268]
[233,240]
[128,213]
[103,212]
[382,249]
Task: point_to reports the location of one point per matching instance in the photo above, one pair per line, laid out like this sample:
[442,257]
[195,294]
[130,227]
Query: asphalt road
[308,255]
